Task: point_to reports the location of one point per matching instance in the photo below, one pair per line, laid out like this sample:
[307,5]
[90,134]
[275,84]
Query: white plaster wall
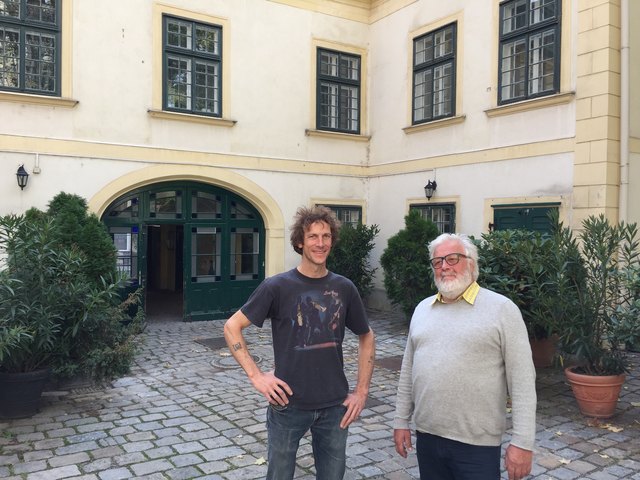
[269,92]
[391,66]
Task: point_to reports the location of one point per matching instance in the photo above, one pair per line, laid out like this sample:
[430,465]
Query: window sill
[30,99]
[526,105]
[187,117]
[445,122]
[343,136]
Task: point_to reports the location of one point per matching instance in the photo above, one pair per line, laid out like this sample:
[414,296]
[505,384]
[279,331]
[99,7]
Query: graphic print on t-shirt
[318,317]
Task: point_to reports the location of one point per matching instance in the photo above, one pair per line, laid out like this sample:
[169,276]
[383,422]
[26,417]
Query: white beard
[454,287]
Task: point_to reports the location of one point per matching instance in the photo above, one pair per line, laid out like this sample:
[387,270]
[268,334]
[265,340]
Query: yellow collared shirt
[469,294]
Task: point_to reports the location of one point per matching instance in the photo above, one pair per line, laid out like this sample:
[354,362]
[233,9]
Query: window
[30,46]
[529,49]
[533,217]
[338,91]
[348,215]
[443,215]
[192,67]
[434,75]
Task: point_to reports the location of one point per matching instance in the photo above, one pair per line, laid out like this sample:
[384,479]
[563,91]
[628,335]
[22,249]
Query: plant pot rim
[570,372]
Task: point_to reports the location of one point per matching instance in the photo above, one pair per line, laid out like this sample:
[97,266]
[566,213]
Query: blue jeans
[287,425]
[443,459]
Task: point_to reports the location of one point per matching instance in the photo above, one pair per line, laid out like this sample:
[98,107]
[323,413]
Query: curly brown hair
[307,216]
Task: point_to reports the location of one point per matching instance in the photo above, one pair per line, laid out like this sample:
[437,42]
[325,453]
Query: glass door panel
[244,252]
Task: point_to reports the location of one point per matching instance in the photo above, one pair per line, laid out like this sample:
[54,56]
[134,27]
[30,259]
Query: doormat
[390,363]
[214,343]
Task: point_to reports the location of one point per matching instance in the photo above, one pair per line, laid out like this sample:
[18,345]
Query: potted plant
[58,315]
[610,307]
[40,286]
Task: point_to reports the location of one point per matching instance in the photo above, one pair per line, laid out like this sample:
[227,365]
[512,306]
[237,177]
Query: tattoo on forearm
[237,346]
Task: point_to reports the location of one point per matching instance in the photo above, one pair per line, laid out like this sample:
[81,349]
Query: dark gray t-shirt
[308,320]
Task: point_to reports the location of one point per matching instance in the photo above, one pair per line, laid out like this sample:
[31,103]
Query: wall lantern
[22,176]
[429,188]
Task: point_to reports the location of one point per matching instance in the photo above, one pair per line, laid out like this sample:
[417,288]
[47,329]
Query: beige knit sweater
[460,362]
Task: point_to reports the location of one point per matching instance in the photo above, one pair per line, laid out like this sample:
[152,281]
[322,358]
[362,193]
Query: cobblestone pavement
[187,411]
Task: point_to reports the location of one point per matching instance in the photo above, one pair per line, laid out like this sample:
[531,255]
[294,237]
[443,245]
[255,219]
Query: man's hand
[355,403]
[402,439]
[276,391]
[517,462]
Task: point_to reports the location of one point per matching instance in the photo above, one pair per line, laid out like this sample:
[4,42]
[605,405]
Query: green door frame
[239,233]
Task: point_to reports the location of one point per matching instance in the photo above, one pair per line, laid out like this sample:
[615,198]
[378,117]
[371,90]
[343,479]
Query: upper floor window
[338,91]
[192,67]
[529,49]
[443,215]
[347,214]
[434,61]
[30,46]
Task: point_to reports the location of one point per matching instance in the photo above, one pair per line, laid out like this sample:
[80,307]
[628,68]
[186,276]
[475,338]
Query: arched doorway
[198,244]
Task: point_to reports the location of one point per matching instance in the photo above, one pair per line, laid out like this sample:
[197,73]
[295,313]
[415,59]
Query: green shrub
[350,256]
[59,304]
[408,277]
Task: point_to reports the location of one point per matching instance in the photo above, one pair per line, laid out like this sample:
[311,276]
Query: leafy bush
[610,298]
[539,272]
[408,277]
[59,308]
[350,256]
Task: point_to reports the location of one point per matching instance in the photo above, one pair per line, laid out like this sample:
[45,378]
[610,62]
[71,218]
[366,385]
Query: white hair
[470,248]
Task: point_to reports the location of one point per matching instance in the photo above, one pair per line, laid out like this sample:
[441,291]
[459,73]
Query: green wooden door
[219,235]
[529,217]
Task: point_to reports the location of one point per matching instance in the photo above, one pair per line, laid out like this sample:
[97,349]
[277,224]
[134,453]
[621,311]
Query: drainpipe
[623,200]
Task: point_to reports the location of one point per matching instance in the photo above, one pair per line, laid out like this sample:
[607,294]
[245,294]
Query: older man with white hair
[467,351]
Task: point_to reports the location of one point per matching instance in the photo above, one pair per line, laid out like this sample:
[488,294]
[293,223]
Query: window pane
[349,108]
[349,67]
[442,215]
[328,105]
[443,43]
[179,33]
[205,254]
[9,58]
[40,64]
[41,11]
[241,211]
[165,204]
[178,83]
[514,16]
[442,87]
[328,63]
[206,87]
[206,205]
[542,10]
[125,209]
[125,239]
[541,62]
[513,70]
[423,96]
[244,254]
[11,8]
[207,39]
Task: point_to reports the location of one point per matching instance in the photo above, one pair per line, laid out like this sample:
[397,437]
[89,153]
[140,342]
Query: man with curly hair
[310,308]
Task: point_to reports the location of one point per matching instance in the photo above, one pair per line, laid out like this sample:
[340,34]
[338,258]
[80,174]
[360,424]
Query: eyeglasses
[451,259]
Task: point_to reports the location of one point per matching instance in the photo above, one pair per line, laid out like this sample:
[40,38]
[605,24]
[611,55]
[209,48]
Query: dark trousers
[443,459]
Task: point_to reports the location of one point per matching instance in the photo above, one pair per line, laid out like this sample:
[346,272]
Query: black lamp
[22,176]
[429,188]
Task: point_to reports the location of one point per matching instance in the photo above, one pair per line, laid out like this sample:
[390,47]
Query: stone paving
[187,411]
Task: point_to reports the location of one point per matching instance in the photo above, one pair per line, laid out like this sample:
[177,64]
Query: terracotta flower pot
[597,395]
